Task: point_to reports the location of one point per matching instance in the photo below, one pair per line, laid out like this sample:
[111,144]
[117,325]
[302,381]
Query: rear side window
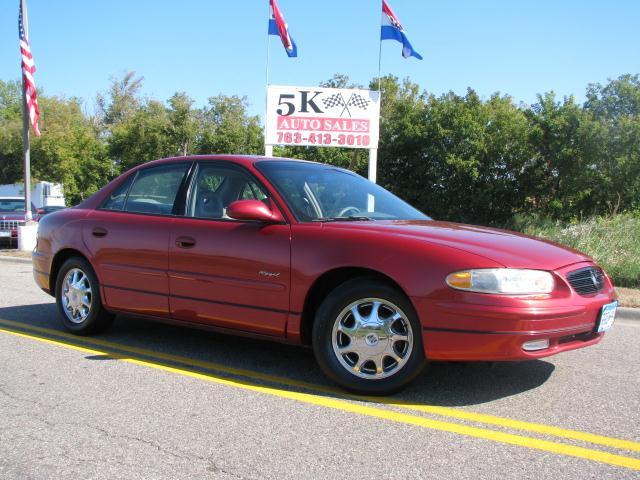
[155,189]
[116,200]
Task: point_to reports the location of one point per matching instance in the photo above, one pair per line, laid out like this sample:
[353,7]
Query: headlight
[502,280]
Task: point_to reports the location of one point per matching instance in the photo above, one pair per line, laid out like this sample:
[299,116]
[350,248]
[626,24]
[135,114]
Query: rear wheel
[78,298]
[367,338]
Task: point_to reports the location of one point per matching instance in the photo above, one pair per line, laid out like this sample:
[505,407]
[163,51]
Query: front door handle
[185,242]
[99,232]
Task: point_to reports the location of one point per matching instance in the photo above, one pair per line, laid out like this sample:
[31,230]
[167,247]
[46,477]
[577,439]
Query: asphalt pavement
[152,401]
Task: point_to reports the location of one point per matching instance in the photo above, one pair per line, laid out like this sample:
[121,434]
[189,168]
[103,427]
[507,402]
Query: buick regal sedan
[313,254]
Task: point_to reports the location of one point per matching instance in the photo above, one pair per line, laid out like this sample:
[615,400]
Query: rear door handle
[99,232]
[185,242]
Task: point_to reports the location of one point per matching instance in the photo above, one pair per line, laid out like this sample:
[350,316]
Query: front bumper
[469,346]
[470,327]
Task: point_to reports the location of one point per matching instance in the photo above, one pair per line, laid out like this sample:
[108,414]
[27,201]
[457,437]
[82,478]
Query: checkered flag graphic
[358,101]
[333,101]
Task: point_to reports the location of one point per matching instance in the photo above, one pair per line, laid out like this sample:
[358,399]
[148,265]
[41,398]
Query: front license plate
[5,234]
[607,316]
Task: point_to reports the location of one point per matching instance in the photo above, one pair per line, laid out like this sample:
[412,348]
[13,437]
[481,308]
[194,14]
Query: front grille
[586,281]
[8,225]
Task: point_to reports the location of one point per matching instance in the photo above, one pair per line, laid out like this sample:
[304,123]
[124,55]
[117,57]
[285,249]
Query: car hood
[507,248]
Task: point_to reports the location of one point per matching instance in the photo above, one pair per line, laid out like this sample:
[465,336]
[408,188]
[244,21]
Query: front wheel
[78,298]
[367,338]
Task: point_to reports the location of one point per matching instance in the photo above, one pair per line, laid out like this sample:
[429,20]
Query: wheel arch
[327,282]
[58,260]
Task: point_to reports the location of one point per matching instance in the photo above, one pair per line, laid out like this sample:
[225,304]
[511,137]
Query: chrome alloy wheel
[372,338]
[76,295]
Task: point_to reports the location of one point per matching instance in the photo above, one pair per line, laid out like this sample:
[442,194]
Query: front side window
[252,191]
[318,192]
[154,189]
[216,187]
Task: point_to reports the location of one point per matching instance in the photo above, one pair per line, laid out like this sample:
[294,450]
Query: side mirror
[254,210]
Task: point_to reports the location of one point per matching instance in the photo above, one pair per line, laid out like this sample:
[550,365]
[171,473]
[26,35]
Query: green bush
[613,241]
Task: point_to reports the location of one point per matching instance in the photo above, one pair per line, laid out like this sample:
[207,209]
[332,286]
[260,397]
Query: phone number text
[348,140]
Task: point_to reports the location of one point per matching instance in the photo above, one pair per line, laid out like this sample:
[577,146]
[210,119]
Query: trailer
[43,194]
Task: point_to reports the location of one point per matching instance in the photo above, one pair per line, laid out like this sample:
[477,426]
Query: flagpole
[380,48]
[373,152]
[26,147]
[268,149]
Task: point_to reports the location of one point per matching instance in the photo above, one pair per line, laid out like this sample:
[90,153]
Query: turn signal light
[460,280]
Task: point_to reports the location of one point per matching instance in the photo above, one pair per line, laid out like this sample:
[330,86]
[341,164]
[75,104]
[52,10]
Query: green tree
[616,142]
[142,136]
[121,101]
[69,150]
[10,131]
[227,128]
[183,124]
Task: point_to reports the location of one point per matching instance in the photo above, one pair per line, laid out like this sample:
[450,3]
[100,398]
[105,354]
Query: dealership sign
[323,117]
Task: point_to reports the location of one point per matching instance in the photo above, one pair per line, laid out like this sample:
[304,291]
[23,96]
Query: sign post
[323,117]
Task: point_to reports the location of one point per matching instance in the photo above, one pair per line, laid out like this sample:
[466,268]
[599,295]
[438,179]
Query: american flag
[28,69]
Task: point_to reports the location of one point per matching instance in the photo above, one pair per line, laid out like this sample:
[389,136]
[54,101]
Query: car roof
[245,160]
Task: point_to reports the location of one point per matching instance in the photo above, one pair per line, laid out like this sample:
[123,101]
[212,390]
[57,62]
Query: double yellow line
[225,376]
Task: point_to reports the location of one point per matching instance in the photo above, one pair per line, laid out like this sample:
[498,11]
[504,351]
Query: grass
[614,242]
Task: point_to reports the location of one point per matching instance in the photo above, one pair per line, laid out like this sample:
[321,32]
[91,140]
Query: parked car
[12,215]
[313,254]
[41,212]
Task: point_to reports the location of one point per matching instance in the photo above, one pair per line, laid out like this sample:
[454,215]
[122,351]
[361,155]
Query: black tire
[329,314]
[97,319]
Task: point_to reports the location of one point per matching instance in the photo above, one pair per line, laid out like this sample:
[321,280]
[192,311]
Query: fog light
[533,345]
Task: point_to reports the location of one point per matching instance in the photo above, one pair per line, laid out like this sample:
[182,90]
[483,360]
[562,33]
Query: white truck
[43,194]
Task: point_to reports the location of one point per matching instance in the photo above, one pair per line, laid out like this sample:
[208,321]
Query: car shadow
[282,365]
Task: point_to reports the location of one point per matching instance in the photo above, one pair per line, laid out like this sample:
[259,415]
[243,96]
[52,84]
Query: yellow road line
[389,401]
[342,405]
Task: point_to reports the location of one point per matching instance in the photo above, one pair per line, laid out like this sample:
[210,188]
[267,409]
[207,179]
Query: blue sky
[207,47]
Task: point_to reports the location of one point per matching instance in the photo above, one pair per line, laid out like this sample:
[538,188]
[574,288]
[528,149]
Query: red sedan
[314,254]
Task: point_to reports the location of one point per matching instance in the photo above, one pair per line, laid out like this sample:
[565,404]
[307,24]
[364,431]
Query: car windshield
[318,192]
[11,205]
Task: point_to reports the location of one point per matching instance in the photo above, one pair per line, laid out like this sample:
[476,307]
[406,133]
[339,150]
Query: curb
[626,313]
[8,258]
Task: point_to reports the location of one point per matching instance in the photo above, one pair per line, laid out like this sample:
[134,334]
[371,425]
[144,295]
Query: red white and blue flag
[278,26]
[392,30]
[28,69]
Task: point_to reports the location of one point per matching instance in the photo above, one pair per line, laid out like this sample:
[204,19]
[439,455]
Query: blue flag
[392,30]
[278,26]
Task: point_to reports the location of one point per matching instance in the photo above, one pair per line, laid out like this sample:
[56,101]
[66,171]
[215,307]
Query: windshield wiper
[351,218]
